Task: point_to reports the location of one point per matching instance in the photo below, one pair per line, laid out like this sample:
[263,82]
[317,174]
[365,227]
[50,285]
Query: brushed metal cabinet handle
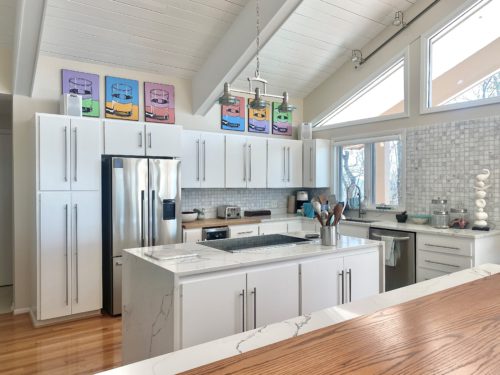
[442,246]
[245,162]
[76,154]
[341,274]
[198,160]
[310,164]
[441,264]
[150,139]
[288,164]
[67,255]
[242,294]
[350,284]
[204,160]
[254,292]
[76,251]
[284,164]
[140,139]
[65,153]
[246,232]
[250,163]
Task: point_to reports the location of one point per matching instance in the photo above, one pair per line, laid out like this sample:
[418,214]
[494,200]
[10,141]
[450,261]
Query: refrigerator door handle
[153,219]
[142,218]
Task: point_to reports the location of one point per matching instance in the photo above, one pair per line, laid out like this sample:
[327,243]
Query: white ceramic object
[188,216]
[480,194]
[481,215]
[481,187]
[479,184]
[480,203]
[483,176]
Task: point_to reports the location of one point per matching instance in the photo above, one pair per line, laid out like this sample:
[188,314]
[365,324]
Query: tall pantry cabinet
[68,216]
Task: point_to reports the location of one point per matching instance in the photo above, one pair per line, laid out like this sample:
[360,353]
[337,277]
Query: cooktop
[233,245]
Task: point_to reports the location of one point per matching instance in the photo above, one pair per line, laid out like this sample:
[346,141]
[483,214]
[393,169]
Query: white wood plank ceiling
[174,37]
[7,23]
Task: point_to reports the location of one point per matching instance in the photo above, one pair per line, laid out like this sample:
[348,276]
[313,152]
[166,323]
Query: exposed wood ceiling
[174,37]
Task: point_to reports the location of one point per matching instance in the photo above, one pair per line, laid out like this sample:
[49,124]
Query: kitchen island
[181,295]
[445,341]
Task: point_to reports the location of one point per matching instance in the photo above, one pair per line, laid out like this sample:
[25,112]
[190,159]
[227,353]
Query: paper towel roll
[291,204]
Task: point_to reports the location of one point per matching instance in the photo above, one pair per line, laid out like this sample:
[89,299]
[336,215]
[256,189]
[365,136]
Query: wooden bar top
[453,331]
[207,223]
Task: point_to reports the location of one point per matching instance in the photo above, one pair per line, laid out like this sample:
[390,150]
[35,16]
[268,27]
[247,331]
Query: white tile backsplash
[443,160]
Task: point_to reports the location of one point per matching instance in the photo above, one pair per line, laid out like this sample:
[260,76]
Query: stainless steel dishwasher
[404,270]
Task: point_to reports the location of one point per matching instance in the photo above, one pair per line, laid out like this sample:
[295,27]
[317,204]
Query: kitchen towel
[392,252]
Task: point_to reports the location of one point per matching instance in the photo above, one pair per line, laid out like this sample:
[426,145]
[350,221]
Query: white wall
[46,95]
[341,82]
[5,207]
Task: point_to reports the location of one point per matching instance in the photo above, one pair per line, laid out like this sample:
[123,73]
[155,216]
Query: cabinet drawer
[237,231]
[444,244]
[442,262]
[426,274]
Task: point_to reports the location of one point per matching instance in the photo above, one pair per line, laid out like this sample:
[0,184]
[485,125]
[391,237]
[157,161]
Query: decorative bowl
[419,219]
[188,216]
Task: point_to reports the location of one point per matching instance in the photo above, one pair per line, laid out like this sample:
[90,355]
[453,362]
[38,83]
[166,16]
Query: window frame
[370,167]
[425,67]
[404,55]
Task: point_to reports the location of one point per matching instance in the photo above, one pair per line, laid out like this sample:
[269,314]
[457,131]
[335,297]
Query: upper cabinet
[284,163]
[316,163]
[141,139]
[202,159]
[69,155]
[246,159]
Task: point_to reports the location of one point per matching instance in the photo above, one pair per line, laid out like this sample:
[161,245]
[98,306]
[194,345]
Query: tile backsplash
[443,160]
[248,199]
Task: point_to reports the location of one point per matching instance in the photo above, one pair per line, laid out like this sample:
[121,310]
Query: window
[463,59]
[381,97]
[375,167]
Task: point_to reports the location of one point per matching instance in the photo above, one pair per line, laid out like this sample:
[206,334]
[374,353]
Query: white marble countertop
[201,259]
[199,355]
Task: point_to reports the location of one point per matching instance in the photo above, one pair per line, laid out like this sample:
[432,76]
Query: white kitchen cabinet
[246,159]
[124,138]
[191,235]
[86,252]
[212,308]
[316,163]
[361,276]
[69,253]
[246,230]
[284,163]
[272,295]
[273,228]
[321,282]
[310,225]
[202,160]
[163,140]
[353,229]
[69,153]
[54,255]
[294,226]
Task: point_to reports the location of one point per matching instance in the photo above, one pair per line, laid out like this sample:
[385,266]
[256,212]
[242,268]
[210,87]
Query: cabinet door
[276,163]
[86,251]
[361,275]
[212,308]
[85,154]
[191,235]
[321,283]
[212,161]
[54,254]
[273,228]
[308,163]
[124,138]
[54,152]
[190,159]
[273,295]
[294,226]
[239,231]
[294,164]
[236,156]
[163,140]
[257,162]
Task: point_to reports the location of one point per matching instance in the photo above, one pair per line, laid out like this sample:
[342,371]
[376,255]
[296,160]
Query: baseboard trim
[23,310]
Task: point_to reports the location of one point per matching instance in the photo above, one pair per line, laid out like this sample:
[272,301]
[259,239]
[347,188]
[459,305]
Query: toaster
[229,212]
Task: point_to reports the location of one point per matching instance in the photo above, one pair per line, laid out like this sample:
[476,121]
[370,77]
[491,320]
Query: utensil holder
[328,236]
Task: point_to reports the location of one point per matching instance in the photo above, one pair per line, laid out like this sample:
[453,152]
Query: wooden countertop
[205,223]
[456,330]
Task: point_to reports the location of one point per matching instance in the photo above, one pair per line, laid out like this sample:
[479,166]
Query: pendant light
[258,102]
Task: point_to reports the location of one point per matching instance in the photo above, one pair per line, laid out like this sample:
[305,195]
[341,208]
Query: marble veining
[199,355]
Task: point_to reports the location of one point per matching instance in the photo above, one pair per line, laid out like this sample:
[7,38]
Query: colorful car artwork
[282,121]
[258,119]
[233,116]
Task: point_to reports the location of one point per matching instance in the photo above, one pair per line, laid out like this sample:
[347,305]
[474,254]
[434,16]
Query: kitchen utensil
[338,210]
[189,216]
[402,217]
[328,237]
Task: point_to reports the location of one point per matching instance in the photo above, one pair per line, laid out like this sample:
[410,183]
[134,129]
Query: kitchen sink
[356,220]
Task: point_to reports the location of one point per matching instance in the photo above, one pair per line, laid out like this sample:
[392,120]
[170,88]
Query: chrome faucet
[355,187]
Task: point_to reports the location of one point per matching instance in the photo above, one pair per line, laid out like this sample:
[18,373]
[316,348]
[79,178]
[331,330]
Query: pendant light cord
[257,11]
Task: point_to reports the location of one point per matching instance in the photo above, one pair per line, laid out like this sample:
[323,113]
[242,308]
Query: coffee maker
[301,198]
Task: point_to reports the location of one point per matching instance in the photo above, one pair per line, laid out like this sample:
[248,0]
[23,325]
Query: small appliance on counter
[302,197]
[217,233]
[440,217]
[228,212]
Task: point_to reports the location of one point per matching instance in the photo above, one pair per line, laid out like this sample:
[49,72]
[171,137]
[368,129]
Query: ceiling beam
[236,49]
[29,23]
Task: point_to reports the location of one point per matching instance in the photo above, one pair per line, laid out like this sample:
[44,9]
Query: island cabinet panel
[272,295]
[273,228]
[361,276]
[212,308]
[321,284]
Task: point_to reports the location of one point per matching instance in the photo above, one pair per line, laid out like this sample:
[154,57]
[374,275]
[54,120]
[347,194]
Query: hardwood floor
[79,347]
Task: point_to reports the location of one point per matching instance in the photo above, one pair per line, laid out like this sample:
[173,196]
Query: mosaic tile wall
[248,199]
[443,160]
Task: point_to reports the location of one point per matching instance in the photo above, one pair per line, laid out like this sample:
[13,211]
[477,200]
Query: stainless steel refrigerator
[141,207]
